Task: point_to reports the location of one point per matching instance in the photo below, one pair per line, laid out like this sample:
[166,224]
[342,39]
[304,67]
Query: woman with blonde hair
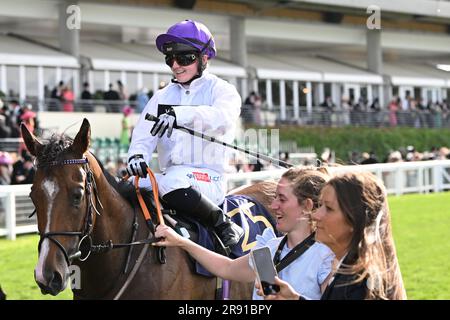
[354,221]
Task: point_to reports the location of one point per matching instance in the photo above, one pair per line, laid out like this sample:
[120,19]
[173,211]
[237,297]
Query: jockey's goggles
[183,59]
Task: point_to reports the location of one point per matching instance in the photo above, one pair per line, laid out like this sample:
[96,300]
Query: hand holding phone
[265,270]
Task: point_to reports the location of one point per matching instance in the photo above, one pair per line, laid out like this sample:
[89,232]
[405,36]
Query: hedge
[380,140]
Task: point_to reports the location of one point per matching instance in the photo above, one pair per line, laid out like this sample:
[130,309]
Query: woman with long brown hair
[354,222]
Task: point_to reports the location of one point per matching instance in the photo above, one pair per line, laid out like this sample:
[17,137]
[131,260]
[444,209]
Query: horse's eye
[76,197]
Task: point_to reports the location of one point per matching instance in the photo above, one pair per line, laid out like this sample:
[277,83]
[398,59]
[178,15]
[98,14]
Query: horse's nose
[51,284]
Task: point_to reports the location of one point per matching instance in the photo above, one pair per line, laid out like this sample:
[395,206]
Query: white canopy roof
[409,73]
[304,68]
[15,51]
[268,68]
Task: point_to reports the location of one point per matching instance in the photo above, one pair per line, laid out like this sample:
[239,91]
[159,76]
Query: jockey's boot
[192,202]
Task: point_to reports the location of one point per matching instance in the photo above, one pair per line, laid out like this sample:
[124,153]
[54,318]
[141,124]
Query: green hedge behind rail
[380,140]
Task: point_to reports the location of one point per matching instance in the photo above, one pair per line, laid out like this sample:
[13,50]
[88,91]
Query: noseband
[85,243]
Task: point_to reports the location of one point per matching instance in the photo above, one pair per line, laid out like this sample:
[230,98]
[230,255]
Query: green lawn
[421,225]
[17,261]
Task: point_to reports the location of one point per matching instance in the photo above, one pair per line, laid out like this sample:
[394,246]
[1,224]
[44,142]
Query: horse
[78,204]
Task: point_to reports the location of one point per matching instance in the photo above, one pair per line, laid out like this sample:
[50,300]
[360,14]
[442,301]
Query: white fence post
[437,178]
[399,181]
[10,211]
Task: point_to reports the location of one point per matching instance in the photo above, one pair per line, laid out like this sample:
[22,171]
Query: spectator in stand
[328,104]
[393,108]
[47,92]
[86,95]
[28,117]
[15,112]
[126,128]
[122,92]
[376,109]
[5,131]
[444,152]
[395,156]
[67,97]
[345,110]
[55,96]
[375,106]
[410,150]
[112,95]
[370,159]
[247,110]
[257,109]
[258,166]
[327,108]
[23,169]
[11,128]
[142,99]
[5,168]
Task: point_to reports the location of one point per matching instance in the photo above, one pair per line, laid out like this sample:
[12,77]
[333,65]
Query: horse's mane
[111,180]
[54,149]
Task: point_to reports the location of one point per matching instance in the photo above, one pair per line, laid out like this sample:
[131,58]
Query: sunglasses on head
[182,59]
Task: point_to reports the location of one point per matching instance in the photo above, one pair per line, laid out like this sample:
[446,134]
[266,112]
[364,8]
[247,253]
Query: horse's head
[61,194]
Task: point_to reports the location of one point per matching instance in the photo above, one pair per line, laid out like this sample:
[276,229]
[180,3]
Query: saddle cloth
[244,211]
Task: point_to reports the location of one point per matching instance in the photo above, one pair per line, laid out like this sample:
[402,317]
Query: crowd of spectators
[16,168]
[405,154]
[12,114]
[62,98]
[415,113]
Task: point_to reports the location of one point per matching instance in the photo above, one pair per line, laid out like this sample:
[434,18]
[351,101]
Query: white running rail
[399,178]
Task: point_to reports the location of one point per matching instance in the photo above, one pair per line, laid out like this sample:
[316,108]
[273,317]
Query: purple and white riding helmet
[187,35]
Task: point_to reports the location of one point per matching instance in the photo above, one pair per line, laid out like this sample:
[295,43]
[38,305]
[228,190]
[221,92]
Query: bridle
[84,247]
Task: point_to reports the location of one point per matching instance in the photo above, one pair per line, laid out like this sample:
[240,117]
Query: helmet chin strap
[200,69]
[187,82]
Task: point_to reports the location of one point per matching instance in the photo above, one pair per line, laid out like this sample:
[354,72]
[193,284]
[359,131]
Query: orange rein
[144,208]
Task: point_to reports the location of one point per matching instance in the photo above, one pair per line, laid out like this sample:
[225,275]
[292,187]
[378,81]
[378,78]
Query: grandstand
[293,53]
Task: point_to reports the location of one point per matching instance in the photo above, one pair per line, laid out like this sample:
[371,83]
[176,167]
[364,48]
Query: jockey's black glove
[137,166]
[166,122]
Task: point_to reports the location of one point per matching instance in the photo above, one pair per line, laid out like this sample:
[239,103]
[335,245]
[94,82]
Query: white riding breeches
[208,182]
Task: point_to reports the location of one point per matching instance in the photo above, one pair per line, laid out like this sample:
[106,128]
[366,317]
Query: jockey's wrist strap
[136,156]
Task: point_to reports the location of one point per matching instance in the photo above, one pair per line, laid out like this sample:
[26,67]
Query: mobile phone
[265,270]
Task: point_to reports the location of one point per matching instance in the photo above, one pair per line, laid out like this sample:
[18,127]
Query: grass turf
[421,225]
[17,261]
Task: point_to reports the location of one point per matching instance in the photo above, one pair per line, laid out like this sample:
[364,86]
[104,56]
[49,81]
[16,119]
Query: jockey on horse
[192,180]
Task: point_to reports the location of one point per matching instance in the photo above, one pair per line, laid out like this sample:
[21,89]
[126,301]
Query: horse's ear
[81,142]
[34,146]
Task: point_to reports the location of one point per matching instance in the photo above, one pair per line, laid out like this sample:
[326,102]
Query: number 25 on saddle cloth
[250,215]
